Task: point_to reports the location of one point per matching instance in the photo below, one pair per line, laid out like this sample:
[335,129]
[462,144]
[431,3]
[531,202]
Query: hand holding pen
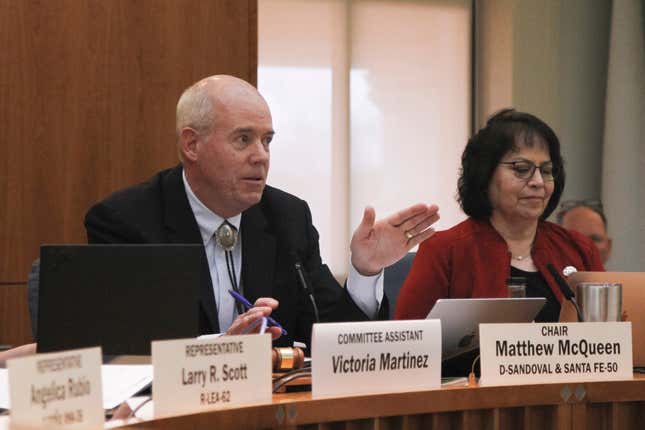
[250,320]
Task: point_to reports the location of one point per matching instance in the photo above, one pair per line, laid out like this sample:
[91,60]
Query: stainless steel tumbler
[600,301]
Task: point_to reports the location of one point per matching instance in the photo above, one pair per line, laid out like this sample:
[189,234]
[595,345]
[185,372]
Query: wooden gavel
[287,359]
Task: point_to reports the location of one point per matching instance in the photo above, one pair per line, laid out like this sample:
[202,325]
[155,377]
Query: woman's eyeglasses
[525,169]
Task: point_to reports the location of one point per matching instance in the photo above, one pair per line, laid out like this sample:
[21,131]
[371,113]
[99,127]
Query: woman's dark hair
[504,132]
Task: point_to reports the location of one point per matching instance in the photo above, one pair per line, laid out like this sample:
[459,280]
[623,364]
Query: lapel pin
[569,270]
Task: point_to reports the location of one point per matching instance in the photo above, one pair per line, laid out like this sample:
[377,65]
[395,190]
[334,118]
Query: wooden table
[587,405]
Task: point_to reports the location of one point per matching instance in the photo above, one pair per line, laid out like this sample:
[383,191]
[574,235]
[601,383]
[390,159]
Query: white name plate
[61,389]
[375,357]
[550,352]
[193,375]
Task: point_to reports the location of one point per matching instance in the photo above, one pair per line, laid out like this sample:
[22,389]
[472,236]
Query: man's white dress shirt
[366,291]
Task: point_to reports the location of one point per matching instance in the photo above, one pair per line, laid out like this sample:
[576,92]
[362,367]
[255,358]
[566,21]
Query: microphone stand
[305,286]
[564,288]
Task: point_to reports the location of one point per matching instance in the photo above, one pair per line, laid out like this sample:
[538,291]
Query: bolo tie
[226,237]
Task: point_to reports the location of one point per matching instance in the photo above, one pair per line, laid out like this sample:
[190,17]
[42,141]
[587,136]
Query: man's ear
[188,140]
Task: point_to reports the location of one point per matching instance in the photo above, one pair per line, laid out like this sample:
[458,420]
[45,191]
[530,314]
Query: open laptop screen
[460,319]
[117,296]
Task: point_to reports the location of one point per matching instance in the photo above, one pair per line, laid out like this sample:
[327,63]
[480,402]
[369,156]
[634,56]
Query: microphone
[300,274]
[564,288]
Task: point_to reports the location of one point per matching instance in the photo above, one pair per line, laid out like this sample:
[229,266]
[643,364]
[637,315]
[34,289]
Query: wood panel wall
[87,97]
[15,325]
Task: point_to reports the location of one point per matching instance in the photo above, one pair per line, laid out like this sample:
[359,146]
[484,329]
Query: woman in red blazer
[511,179]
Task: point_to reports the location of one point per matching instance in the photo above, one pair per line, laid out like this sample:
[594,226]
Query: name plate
[375,357]
[61,389]
[550,352]
[193,375]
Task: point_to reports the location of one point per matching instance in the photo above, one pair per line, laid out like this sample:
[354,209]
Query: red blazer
[472,260]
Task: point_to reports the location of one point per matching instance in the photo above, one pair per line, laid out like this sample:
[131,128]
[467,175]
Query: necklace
[522,256]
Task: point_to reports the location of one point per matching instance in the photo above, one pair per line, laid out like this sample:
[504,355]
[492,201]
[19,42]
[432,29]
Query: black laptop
[120,297]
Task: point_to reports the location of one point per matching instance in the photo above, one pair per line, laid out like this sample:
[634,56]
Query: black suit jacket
[276,233]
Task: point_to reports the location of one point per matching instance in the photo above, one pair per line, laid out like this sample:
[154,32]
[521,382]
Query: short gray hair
[195,110]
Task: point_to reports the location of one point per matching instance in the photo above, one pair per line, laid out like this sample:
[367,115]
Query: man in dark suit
[218,193]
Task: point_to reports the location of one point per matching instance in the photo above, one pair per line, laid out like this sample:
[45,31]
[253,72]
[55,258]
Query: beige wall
[549,57]
[624,141]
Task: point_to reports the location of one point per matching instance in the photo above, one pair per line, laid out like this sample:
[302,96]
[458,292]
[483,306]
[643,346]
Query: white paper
[120,382]
[454,381]
[4,389]
[143,407]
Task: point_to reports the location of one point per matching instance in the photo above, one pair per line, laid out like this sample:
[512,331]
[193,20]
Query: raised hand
[378,244]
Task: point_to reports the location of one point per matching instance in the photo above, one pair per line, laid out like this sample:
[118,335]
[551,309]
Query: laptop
[120,297]
[633,303]
[460,319]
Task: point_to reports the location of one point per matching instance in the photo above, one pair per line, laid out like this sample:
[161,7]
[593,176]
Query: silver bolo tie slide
[226,236]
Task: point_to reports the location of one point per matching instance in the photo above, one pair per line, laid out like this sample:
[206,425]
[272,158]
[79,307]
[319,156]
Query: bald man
[254,235]
[589,220]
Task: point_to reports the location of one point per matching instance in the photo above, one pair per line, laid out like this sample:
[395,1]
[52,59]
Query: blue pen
[247,305]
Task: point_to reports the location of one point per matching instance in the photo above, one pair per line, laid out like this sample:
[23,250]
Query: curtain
[623,170]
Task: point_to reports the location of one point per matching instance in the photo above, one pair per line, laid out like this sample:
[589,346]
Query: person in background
[588,218]
[511,180]
[254,235]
